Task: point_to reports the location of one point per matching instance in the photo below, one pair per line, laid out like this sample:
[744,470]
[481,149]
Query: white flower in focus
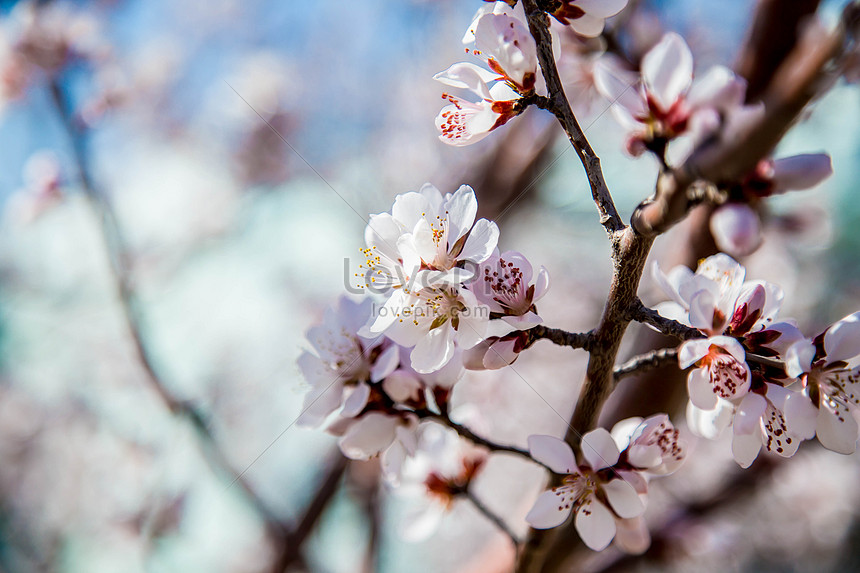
[344,362]
[759,421]
[585,490]
[830,399]
[427,239]
[652,446]
[586,17]
[721,370]
[666,104]
[508,50]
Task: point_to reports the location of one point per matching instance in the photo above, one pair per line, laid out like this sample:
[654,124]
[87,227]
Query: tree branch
[645,362]
[559,337]
[560,107]
[667,326]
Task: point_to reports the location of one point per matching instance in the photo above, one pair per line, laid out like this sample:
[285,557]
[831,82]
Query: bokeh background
[241,145]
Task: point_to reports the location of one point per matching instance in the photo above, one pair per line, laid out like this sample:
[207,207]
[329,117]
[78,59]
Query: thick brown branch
[559,337]
[796,83]
[644,362]
[560,107]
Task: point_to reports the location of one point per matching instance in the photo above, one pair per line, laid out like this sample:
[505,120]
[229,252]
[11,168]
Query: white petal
[700,389]
[798,357]
[623,430]
[691,351]
[618,88]
[601,8]
[837,431]
[632,536]
[541,284]
[842,340]
[500,354]
[599,449]
[667,70]
[461,209]
[434,350]
[800,415]
[623,498]
[385,363]
[420,524]
[368,436]
[468,76]
[748,416]
[719,88]
[801,171]
[550,510]
[745,448]
[402,385]
[481,242]
[588,25]
[595,525]
[709,423]
[356,401]
[645,457]
[553,453]
[319,403]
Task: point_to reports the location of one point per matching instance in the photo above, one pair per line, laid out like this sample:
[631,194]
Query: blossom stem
[667,326]
[645,362]
[559,337]
[539,26]
[497,521]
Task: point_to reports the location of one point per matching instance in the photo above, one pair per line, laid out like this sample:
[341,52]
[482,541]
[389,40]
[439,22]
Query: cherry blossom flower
[42,189]
[504,284]
[427,239]
[721,370]
[651,446]
[828,403]
[736,226]
[586,17]
[585,490]
[442,469]
[666,103]
[506,47]
[344,362]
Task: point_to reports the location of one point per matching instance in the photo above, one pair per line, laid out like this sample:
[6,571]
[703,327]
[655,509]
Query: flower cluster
[437,287]
[758,375]
[606,491]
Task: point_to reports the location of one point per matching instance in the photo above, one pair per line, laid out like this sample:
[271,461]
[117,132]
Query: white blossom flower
[585,489]
[830,398]
[760,421]
[427,239]
[666,103]
[508,50]
[721,370]
[343,360]
[586,17]
[652,446]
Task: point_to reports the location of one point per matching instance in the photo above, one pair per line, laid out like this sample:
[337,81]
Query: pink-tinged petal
[798,358]
[645,457]
[730,345]
[635,479]
[748,416]
[778,437]
[709,423]
[468,76]
[508,42]
[719,88]
[368,436]
[407,435]
[667,70]
[319,403]
[599,449]
[402,386]
[473,358]
[601,8]
[463,123]
[595,524]
[356,401]
[691,351]
[801,171]
[552,452]
[670,283]
[385,363]
[434,350]
[588,25]
[836,429]
[779,336]
[500,355]
[551,509]
[842,339]
[702,306]
[623,498]
[730,379]
[800,415]
[736,229]
[672,310]
[632,535]
[701,390]
[316,373]
[622,431]
[498,327]
[391,463]
[745,448]
[541,284]
[619,88]
[460,209]
[481,242]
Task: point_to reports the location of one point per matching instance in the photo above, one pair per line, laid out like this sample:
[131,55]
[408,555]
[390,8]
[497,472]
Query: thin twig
[559,337]
[645,362]
[560,107]
[667,326]
[498,521]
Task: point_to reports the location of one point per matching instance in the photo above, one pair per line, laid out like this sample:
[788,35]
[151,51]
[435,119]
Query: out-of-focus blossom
[344,362]
[587,17]
[592,490]
[666,103]
[42,189]
[508,50]
[735,226]
[829,401]
[504,284]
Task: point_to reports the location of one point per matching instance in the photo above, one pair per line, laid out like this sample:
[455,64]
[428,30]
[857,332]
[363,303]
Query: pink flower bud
[736,229]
